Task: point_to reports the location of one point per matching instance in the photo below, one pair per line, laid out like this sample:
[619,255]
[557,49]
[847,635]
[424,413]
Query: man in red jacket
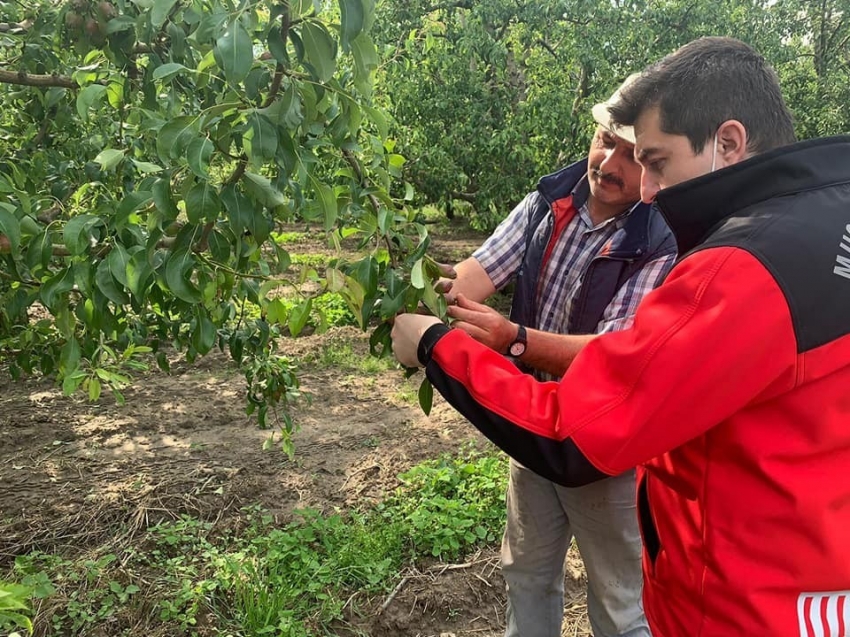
[731,392]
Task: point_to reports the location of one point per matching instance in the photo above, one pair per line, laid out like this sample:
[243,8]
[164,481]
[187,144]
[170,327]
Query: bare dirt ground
[72,472]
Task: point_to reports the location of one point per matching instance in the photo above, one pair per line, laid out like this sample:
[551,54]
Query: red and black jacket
[731,391]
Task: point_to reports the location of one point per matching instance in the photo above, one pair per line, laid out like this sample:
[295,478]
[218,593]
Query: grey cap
[603,117]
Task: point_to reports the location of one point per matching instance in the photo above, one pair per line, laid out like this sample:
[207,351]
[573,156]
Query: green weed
[287,238]
[289,581]
[341,354]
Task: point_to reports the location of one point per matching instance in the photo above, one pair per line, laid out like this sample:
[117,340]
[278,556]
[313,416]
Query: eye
[657,165]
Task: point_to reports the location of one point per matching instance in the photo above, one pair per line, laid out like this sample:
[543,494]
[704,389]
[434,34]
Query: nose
[608,163]
[648,187]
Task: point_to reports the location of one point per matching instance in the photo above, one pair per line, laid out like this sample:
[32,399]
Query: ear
[731,143]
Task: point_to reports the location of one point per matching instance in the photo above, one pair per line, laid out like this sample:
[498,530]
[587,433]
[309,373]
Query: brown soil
[73,472]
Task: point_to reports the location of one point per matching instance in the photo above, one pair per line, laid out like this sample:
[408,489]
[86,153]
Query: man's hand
[407,332]
[446,281]
[483,323]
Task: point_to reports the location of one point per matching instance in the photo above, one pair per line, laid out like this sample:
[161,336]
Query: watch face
[517,349]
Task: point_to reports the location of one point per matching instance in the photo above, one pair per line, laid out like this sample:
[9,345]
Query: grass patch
[290,581]
[289,238]
[316,261]
[341,354]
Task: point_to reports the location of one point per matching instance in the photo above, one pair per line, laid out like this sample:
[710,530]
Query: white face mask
[714,155]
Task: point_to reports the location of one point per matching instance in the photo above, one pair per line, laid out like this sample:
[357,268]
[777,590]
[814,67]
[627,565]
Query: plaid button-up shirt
[502,254]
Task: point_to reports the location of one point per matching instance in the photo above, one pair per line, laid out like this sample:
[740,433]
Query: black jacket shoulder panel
[803,240]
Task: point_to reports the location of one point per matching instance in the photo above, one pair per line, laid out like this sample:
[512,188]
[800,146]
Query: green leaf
[118,260]
[277,46]
[94,389]
[283,258]
[391,305]
[146,167]
[202,203]
[198,155]
[351,12]
[56,286]
[365,61]
[108,286]
[263,136]
[120,23]
[129,204]
[11,227]
[234,53]
[210,25]
[161,191]
[259,226]
[319,50]
[336,279]
[219,247]
[298,316]
[160,11]
[426,396]
[69,358]
[87,97]
[380,342]
[166,71]
[39,252]
[139,273]
[263,190]
[379,120]
[77,233]
[239,209]
[178,275]
[298,8]
[355,297]
[115,92]
[385,219]
[173,138]
[18,619]
[286,110]
[203,336]
[327,201]
[109,158]
[417,275]
[84,277]
[434,301]
[365,272]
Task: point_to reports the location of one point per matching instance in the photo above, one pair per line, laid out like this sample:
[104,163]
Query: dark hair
[705,83]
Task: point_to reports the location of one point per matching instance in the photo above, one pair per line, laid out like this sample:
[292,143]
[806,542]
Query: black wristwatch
[517,348]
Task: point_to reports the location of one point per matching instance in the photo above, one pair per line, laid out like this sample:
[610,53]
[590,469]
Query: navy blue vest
[645,237]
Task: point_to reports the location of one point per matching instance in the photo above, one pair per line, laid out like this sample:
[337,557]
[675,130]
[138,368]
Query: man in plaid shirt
[583,252]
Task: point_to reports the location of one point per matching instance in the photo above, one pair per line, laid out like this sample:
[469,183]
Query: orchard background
[208,208]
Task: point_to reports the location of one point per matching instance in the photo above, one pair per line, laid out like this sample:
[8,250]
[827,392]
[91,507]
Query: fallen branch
[393,594]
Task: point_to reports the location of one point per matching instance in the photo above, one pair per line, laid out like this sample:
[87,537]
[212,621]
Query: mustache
[607,177]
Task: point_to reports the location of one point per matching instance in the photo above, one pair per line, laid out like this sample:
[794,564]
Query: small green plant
[287,238]
[340,353]
[14,606]
[452,503]
[263,579]
[317,261]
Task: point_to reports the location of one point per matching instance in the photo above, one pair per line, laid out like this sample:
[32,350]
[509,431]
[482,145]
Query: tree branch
[468,197]
[361,178]
[15,27]
[548,47]
[460,4]
[27,79]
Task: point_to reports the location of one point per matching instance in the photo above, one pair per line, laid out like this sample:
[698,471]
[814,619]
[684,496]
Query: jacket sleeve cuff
[429,340]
